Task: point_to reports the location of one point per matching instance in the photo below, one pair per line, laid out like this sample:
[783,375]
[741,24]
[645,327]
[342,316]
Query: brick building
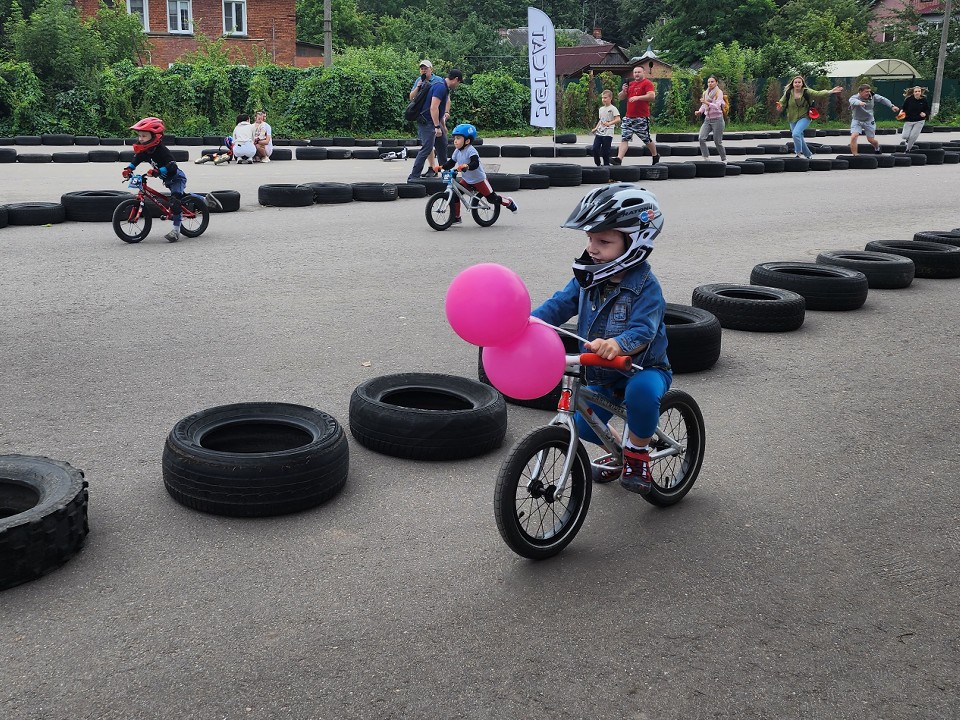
[883,16]
[270,26]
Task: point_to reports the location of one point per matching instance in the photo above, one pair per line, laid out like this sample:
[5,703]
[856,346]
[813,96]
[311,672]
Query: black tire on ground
[411,190]
[486,151]
[321,141]
[932,260]
[520,151]
[823,287]
[560,174]
[103,156]
[654,172]
[365,143]
[35,213]
[311,153]
[3,216]
[425,416]
[504,182]
[328,193]
[626,173]
[820,164]
[374,192]
[681,171]
[551,399]
[770,164]
[543,151]
[795,164]
[860,162]
[593,175]
[951,158]
[56,139]
[901,160]
[934,155]
[43,516]
[566,138]
[732,170]
[749,167]
[838,164]
[70,157]
[366,153]
[283,154]
[881,270]
[338,153]
[344,141]
[533,182]
[706,169]
[111,142]
[34,158]
[751,307]
[675,151]
[693,338]
[885,161]
[8,155]
[212,139]
[86,140]
[125,155]
[255,459]
[181,156]
[285,195]
[572,151]
[947,237]
[433,185]
[27,139]
[92,205]
[229,199]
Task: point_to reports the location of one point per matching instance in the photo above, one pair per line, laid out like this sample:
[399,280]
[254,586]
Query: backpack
[414,108]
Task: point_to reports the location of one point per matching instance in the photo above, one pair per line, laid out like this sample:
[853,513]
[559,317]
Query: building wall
[884,13]
[271,27]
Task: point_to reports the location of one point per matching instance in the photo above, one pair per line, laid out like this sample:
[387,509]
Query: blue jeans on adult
[799,144]
[427,135]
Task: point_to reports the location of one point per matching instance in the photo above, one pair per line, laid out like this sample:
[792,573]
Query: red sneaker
[636,471]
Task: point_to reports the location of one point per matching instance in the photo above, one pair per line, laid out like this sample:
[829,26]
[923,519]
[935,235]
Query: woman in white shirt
[243,147]
[262,136]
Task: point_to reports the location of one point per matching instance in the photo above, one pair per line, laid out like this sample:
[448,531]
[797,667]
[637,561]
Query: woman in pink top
[711,107]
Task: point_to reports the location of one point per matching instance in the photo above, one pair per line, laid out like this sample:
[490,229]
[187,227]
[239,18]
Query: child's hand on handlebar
[607,348]
[126,172]
[461,168]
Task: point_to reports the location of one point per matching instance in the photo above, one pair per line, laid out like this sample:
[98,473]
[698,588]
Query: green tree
[695,26]
[828,29]
[350,26]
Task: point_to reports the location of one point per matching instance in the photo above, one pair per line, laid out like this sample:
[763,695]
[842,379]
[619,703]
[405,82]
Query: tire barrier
[881,270]
[932,260]
[285,195]
[823,287]
[751,307]
[693,338]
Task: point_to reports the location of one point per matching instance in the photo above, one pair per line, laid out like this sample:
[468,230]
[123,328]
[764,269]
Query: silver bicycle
[544,485]
[439,211]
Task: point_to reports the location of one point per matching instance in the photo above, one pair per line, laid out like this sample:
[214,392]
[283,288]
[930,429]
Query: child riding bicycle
[466,159]
[620,309]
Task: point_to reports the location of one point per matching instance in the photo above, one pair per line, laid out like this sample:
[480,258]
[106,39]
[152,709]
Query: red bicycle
[133,218]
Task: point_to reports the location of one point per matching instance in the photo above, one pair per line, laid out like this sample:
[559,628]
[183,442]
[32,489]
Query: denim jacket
[632,314]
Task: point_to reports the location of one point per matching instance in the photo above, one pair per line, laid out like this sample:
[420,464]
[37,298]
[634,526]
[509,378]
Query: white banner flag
[541,52]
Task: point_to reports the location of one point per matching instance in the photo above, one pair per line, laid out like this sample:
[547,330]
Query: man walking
[426,76]
[639,94]
[863,119]
[432,122]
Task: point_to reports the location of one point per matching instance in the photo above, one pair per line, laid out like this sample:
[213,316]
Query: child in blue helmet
[620,311]
[466,159]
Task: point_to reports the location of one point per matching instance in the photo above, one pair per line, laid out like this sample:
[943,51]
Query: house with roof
[883,16]
[249,28]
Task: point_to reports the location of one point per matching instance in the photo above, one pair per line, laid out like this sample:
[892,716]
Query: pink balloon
[530,366]
[488,304]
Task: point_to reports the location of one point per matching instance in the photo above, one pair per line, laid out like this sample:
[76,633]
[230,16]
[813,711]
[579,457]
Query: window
[141,10]
[888,34]
[235,17]
[179,16]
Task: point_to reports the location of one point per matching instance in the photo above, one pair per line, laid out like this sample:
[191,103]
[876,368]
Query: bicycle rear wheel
[194,226]
[129,223]
[532,518]
[486,214]
[678,449]
[439,211]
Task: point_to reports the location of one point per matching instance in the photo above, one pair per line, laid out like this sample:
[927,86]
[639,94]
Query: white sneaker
[264,159]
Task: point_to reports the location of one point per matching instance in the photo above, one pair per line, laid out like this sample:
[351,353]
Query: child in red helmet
[148,149]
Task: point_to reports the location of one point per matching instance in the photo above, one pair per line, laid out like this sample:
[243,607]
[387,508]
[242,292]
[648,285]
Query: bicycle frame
[145,193]
[469,198]
[576,397]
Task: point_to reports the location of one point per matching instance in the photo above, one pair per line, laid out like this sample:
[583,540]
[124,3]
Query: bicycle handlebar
[623,362]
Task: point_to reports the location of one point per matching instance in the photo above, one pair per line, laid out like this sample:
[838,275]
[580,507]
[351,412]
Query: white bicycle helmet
[633,211]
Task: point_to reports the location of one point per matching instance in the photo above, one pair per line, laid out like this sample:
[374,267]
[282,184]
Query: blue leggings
[177,186]
[641,394]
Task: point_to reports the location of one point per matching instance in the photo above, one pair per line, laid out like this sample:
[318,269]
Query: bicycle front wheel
[196,216]
[439,211]
[678,449]
[129,223]
[486,214]
[534,519]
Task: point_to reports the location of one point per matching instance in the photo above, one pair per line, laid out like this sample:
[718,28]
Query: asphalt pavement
[812,572]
